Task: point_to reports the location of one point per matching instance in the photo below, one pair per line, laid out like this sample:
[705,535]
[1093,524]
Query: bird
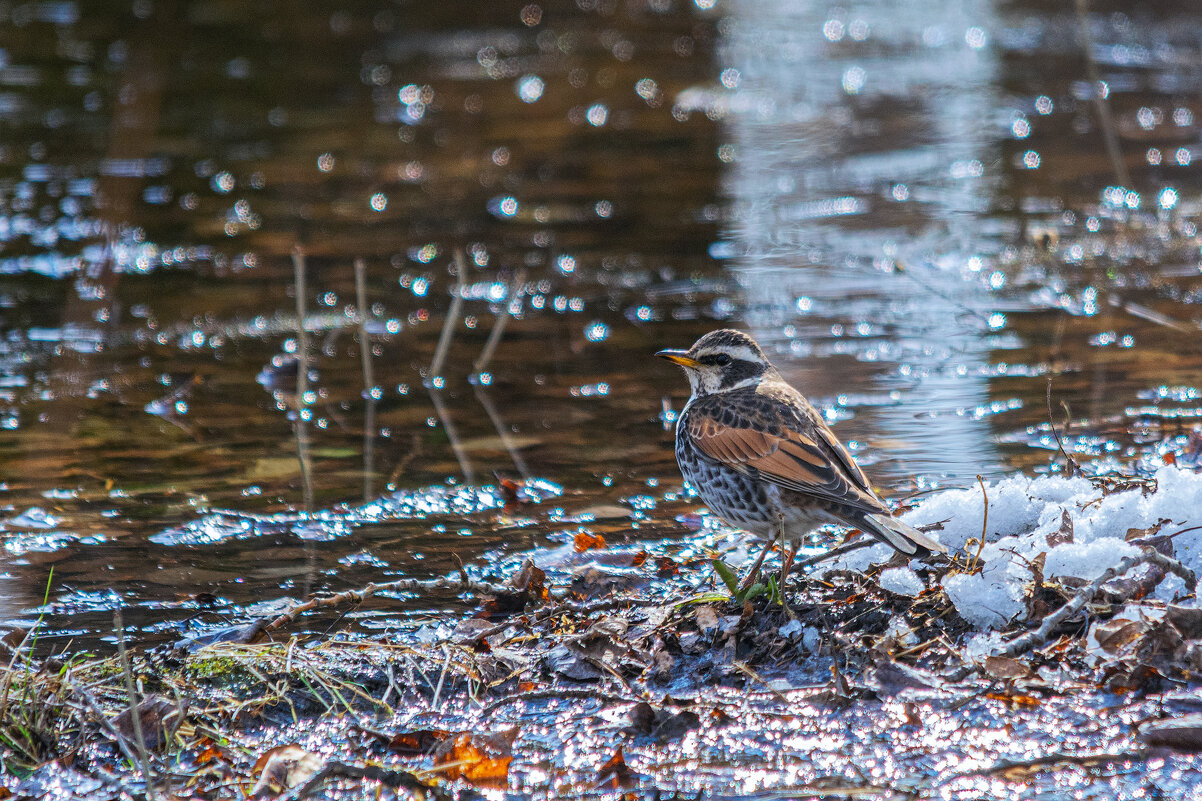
[762,458]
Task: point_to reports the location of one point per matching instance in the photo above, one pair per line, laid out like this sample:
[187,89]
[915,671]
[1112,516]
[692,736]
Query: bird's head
[721,361]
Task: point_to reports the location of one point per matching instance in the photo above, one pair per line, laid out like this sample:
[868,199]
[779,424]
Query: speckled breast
[738,499]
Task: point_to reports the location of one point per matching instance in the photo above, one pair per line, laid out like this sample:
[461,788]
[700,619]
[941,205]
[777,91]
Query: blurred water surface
[924,210]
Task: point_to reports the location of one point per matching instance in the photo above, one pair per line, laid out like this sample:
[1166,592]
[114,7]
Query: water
[912,207]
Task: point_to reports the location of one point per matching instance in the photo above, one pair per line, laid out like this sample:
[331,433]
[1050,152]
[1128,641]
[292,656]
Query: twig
[855,545]
[502,432]
[448,326]
[402,779]
[554,693]
[1005,765]
[972,566]
[498,328]
[1155,557]
[369,380]
[400,585]
[302,376]
[135,719]
[1031,639]
[448,425]
[441,677]
[1105,118]
[1071,468]
[744,668]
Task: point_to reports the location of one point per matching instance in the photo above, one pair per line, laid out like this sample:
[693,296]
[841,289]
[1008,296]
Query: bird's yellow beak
[680,357]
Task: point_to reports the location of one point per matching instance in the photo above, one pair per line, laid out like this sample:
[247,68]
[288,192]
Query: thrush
[763,459]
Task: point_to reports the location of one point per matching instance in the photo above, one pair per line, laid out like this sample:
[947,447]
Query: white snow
[901,580]
[1023,512]
[1086,560]
[987,603]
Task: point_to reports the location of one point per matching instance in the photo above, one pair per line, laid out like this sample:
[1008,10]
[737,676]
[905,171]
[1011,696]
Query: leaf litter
[596,668]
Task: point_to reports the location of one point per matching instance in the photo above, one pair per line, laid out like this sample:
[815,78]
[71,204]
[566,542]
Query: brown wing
[785,443]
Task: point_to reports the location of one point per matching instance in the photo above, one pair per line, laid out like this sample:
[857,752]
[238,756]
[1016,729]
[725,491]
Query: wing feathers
[767,437]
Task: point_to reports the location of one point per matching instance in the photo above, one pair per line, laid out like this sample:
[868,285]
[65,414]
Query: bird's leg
[786,564]
[755,568]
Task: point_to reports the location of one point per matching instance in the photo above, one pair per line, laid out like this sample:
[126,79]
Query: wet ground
[924,212]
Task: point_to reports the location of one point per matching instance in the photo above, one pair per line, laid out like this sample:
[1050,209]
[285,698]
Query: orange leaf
[1015,699]
[614,773]
[589,542]
[665,567]
[417,742]
[468,759]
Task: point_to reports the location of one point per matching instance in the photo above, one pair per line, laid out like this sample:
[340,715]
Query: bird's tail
[900,536]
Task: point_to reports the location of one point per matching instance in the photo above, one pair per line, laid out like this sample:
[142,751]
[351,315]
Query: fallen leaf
[892,677]
[508,488]
[569,663]
[158,718]
[1187,620]
[589,542]
[1113,635]
[285,767]
[614,774]
[529,584]
[532,580]
[706,617]
[417,742]
[665,567]
[1182,733]
[1139,533]
[1014,699]
[1064,534]
[1004,667]
[662,724]
[481,759]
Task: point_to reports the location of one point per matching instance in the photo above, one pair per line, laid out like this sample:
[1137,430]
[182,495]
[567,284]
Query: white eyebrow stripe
[740,352]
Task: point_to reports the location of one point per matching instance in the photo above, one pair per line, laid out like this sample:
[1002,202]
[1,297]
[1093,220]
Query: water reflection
[913,203]
[858,184]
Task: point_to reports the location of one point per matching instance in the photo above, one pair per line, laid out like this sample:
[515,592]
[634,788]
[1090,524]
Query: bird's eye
[721,360]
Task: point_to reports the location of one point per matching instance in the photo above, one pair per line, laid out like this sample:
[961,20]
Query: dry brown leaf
[532,580]
[1064,534]
[285,767]
[1115,634]
[1182,733]
[158,718]
[1004,667]
[1138,533]
[666,567]
[706,617]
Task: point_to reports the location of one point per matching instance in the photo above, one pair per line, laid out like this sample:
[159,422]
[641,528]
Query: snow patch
[983,602]
[1025,512]
[901,580]
[1087,560]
